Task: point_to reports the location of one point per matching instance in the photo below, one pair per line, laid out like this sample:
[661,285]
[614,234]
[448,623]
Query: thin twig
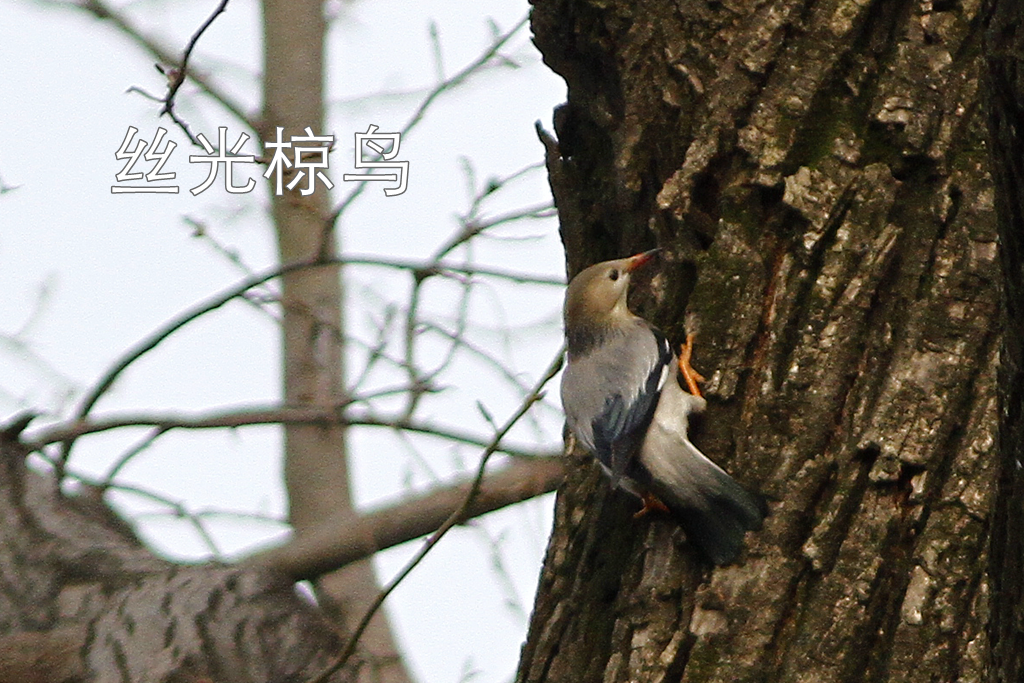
[153,339]
[106,381]
[441,88]
[183,68]
[376,351]
[201,232]
[470,227]
[176,77]
[128,455]
[257,301]
[453,519]
[177,508]
[512,601]
[493,361]
[545,210]
[461,325]
[435,46]
[106,12]
[413,453]
[409,338]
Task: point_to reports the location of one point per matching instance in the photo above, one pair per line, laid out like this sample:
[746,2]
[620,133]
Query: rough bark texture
[1004,99]
[82,601]
[817,175]
[316,459]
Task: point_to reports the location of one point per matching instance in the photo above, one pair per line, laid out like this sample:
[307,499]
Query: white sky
[87,273]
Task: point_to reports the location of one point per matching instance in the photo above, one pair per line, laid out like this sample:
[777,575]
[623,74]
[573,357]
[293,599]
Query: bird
[623,402]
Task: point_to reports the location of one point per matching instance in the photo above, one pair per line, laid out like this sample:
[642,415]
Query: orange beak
[640,259]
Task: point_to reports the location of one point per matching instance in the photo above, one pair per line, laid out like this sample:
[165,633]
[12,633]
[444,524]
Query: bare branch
[513,602]
[473,223]
[176,77]
[440,268]
[435,46]
[202,233]
[485,57]
[237,515]
[183,67]
[341,540]
[471,226]
[498,366]
[150,342]
[176,507]
[417,458]
[451,521]
[376,351]
[481,353]
[128,455]
[456,80]
[104,11]
[268,415]
[259,300]
[409,341]
[545,210]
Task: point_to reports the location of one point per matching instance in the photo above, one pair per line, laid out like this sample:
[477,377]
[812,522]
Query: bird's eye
[613,275]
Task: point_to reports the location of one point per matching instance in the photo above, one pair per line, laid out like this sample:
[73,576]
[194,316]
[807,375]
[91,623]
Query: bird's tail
[712,507]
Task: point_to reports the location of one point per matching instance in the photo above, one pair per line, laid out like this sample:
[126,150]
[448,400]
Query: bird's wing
[610,393]
[714,509]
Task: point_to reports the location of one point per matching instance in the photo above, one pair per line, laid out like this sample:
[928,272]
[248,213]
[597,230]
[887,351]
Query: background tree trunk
[313,332]
[86,601]
[81,599]
[817,175]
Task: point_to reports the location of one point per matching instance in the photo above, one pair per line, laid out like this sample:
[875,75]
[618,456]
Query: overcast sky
[86,273]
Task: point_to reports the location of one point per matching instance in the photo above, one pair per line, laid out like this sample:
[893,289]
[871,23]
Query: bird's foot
[689,374]
[651,504]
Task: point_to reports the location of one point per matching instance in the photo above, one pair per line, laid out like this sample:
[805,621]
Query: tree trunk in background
[316,468]
[817,175]
[1004,100]
[83,601]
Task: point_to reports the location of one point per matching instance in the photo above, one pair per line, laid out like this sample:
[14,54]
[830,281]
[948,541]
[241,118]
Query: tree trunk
[81,600]
[316,458]
[1004,100]
[816,173]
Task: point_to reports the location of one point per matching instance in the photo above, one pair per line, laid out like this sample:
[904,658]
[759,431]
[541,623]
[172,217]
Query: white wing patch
[665,350]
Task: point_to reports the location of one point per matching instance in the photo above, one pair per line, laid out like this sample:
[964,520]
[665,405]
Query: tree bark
[81,600]
[1004,101]
[816,174]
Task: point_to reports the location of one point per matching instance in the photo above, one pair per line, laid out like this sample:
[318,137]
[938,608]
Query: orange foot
[651,504]
[689,374]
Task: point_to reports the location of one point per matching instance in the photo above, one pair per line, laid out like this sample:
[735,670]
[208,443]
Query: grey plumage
[623,402]
[714,510]
[609,424]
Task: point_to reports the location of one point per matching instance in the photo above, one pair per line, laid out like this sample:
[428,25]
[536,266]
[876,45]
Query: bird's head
[596,298]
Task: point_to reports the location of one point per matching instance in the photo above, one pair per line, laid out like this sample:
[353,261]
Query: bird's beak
[634,262]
